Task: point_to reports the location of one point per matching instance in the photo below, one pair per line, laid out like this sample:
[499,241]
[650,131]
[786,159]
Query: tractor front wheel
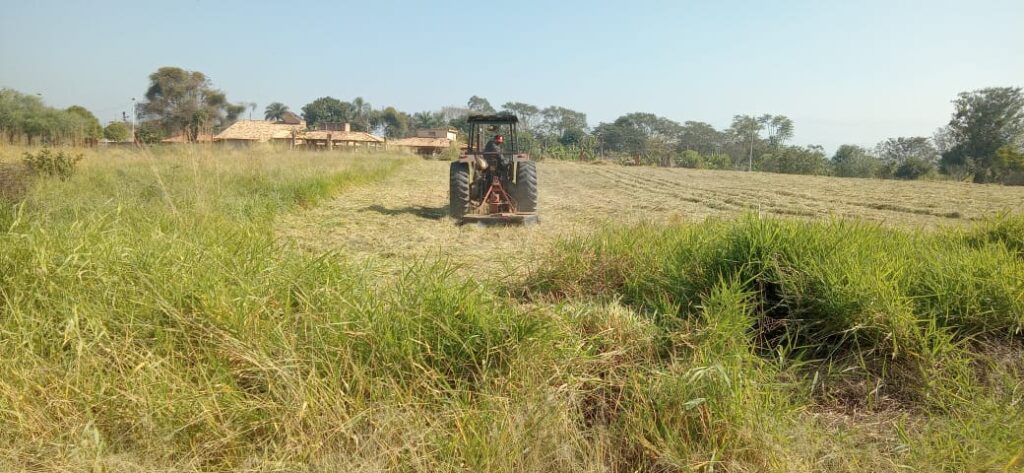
[458,190]
[526,186]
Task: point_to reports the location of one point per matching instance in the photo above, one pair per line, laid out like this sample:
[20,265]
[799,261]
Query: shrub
[688,159]
[117,131]
[913,168]
[47,163]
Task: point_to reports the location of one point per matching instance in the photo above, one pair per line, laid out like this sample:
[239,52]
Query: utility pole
[133,120]
[750,159]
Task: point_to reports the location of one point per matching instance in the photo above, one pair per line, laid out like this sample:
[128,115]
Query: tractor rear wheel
[525,191]
[458,190]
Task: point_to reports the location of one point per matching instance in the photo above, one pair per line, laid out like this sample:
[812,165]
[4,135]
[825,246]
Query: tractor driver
[494,145]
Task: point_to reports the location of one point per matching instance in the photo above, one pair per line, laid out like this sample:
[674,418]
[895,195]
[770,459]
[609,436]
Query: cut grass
[150,319]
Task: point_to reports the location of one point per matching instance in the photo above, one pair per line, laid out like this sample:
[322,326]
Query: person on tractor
[494,145]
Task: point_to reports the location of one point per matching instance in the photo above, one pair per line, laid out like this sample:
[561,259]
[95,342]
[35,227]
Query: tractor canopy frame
[492,124]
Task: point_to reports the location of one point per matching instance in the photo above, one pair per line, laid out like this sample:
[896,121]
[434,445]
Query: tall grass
[854,315]
[149,320]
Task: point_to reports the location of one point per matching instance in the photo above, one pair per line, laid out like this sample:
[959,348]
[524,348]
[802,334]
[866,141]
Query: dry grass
[405,217]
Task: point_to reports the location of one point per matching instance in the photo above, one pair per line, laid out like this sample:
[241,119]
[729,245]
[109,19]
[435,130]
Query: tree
[391,123]
[26,116]
[150,132]
[855,161]
[275,111]
[701,137]
[185,102]
[748,128]
[983,122]
[118,131]
[896,151]
[427,120]
[555,121]
[780,129]
[527,114]
[1009,165]
[621,138]
[327,109]
[362,114]
[479,105]
[88,124]
[795,160]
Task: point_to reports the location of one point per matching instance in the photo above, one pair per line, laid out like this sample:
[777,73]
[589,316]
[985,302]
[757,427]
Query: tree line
[983,140]
[25,118]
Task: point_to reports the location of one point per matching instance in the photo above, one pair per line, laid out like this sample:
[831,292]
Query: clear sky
[845,72]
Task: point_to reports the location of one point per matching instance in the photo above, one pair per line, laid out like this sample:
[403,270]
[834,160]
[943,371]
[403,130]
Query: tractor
[493,184]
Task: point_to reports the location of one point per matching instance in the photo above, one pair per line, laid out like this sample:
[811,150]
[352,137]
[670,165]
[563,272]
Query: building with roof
[247,132]
[339,135]
[428,141]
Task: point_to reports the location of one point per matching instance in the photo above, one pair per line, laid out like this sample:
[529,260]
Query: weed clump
[46,163]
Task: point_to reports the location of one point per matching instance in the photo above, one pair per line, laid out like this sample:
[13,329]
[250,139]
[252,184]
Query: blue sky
[845,72]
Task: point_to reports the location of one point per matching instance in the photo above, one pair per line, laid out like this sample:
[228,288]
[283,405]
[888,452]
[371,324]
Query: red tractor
[493,183]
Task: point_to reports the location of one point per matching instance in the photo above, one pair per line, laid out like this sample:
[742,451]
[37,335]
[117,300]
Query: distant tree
[185,102]
[913,168]
[327,109]
[118,131]
[391,123]
[1009,165]
[150,132]
[983,122]
[895,151]
[780,129]
[748,129]
[479,105]
[86,122]
[855,161]
[701,137]
[555,121]
[362,114]
[795,160]
[275,111]
[527,114]
[456,117]
[24,116]
[427,120]
[623,137]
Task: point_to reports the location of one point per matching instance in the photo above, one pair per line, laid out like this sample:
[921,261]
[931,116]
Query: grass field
[259,310]
[404,217]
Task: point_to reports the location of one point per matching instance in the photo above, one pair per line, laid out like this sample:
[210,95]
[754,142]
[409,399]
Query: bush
[47,163]
[117,131]
[794,160]
[688,159]
[913,168]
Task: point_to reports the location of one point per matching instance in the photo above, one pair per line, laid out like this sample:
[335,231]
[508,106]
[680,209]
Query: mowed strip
[404,218]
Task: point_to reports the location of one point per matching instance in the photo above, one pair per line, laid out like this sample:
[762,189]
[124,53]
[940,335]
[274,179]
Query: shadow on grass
[430,213]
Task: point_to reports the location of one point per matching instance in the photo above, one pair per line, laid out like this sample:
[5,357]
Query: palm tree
[275,111]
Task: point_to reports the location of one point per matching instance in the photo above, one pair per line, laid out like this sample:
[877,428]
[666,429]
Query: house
[332,135]
[428,141]
[246,132]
